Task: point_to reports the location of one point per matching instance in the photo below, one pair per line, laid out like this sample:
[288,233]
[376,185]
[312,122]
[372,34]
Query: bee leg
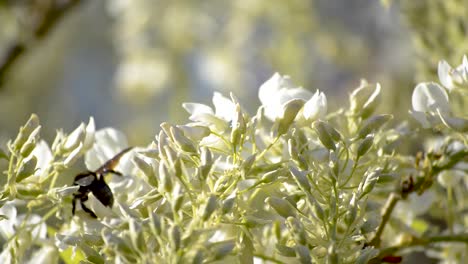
[86,209]
[74,204]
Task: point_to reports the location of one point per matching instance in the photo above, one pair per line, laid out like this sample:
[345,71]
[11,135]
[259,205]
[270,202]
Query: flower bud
[334,163]
[271,176]
[165,178]
[178,202]
[323,135]
[297,229]
[301,179]
[373,124]
[162,143]
[351,214]
[290,110]
[25,131]
[368,183]
[30,143]
[238,126]
[73,156]
[316,207]
[155,224]
[248,162]
[166,128]
[365,145]
[206,162]
[292,150]
[281,206]
[175,238]
[75,138]
[195,132]
[228,204]
[276,229]
[222,249]
[26,169]
[210,207]
[365,99]
[304,254]
[182,141]
[147,170]
[198,258]
[316,107]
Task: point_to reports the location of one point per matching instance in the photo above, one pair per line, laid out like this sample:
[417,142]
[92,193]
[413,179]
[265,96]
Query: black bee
[93,181]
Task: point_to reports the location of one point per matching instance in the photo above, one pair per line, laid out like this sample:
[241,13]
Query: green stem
[351,174]
[268,148]
[386,213]
[460,238]
[450,216]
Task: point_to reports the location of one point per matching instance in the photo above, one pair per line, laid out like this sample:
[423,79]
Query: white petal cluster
[452,78]
[278,92]
[431,104]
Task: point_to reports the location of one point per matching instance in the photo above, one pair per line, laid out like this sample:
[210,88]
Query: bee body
[93,181]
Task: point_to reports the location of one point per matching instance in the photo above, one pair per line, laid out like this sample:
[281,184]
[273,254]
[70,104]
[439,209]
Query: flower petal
[428,97]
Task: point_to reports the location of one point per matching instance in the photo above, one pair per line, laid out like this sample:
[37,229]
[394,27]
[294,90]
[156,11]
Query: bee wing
[85,179]
[110,164]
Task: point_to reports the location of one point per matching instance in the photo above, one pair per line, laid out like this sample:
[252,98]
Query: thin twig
[43,27]
[386,214]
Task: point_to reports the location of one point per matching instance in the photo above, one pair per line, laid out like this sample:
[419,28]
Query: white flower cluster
[278,93]
[431,101]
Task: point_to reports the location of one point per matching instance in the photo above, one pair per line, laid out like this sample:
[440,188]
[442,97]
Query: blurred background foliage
[131,63]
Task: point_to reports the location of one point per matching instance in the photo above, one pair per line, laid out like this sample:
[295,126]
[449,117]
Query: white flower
[109,142]
[47,254]
[428,99]
[224,107]
[83,134]
[44,158]
[275,93]
[217,120]
[14,222]
[7,225]
[316,107]
[450,178]
[452,78]
[407,210]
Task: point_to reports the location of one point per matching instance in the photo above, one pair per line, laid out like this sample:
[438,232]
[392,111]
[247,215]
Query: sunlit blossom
[278,91]
[453,78]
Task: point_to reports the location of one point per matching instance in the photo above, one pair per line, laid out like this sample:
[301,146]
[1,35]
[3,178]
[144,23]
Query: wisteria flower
[277,93]
[427,99]
[453,78]
[217,120]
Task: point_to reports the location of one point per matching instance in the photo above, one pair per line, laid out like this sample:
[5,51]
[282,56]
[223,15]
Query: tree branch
[45,24]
